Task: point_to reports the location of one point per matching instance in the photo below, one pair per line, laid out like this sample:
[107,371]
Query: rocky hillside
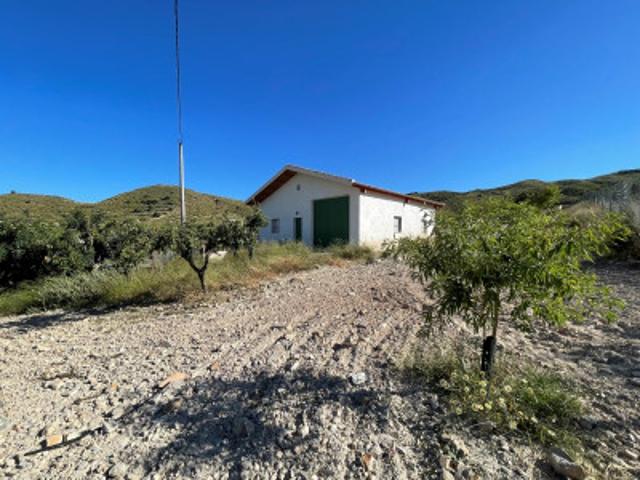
[572,191]
[158,203]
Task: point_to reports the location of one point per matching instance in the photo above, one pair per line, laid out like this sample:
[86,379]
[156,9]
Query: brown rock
[367,461]
[173,378]
[53,440]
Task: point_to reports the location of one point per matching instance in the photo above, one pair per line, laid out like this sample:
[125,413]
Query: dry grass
[171,282]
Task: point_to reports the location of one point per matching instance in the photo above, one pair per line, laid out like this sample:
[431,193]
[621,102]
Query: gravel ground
[294,379]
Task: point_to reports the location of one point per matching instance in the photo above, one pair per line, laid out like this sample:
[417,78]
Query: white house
[319,209]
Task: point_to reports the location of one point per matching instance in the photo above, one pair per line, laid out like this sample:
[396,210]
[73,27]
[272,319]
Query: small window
[275,225]
[397,225]
[427,222]
[298,187]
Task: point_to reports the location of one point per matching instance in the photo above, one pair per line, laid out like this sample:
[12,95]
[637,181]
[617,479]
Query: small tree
[195,242]
[230,234]
[252,225]
[498,257]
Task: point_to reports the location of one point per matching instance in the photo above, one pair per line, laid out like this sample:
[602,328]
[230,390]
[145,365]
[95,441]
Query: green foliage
[537,403]
[27,251]
[121,244]
[195,242]
[81,289]
[81,243]
[30,250]
[543,196]
[254,221]
[498,257]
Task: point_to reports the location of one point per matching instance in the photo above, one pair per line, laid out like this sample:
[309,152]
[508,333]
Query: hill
[158,203]
[37,207]
[572,191]
[162,203]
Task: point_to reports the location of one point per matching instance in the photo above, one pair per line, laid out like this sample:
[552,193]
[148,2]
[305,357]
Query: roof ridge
[289,170]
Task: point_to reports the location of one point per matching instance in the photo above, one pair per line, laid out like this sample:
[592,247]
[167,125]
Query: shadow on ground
[28,323]
[231,424]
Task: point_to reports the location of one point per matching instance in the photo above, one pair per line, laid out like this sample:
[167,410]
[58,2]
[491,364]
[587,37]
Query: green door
[297,229]
[330,221]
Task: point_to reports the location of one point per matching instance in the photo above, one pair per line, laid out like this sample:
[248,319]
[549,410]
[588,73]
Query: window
[275,225]
[397,225]
[427,222]
[298,187]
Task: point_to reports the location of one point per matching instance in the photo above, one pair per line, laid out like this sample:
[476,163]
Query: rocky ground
[294,379]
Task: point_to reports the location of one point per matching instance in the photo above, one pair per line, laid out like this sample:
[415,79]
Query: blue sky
[408,95]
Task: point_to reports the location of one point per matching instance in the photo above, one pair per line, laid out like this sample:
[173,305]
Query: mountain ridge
[572,191]
[154,203]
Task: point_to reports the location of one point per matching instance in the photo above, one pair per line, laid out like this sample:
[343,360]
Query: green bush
[75,291]
[28,251]
[540,404]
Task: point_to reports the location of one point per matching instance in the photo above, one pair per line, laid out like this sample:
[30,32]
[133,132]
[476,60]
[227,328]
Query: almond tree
[497,260]
[195,242]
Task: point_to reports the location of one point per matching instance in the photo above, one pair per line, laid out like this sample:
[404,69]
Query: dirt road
[293,379]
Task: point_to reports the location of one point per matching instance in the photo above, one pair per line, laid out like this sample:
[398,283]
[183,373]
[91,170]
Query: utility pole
[183,206]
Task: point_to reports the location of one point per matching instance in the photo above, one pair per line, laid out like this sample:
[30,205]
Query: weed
[352,252]
[537,403]
[170,282]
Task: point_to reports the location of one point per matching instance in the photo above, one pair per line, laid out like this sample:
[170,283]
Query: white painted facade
[371,213]
[376,219]
[295,199]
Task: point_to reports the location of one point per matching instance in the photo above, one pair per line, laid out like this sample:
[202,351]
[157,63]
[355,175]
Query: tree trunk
[200,271]
[489,350]
[489,355]
[203,285]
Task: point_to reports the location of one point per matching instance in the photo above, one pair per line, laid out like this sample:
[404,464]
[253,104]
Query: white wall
[376,218]
[288,202]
